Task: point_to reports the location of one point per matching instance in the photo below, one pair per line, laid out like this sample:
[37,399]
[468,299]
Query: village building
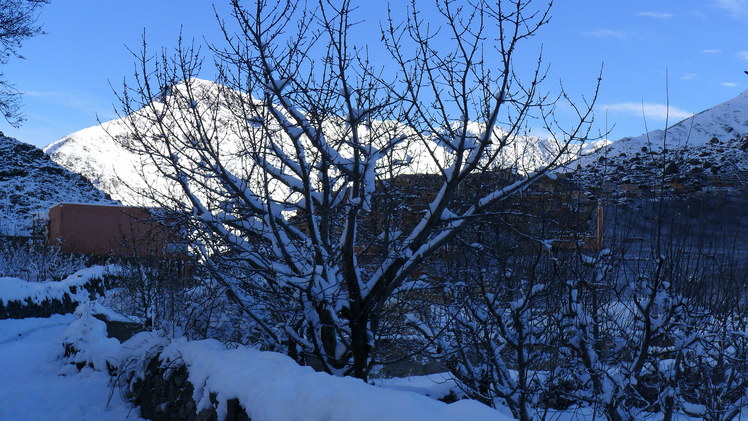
[110,230]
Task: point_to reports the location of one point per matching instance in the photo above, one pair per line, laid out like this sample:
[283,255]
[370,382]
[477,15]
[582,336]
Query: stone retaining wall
[165,394]
[20,309]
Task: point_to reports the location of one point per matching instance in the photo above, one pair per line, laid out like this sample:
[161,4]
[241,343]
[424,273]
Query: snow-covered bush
[164,297]
[32,260]
[491,321]
[86,342]
[541,333]
[714,370]
[152,290]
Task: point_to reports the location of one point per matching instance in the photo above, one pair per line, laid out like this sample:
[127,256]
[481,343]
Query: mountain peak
[198,86]
[98,154]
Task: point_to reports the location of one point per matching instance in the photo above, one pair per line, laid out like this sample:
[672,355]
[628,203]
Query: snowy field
[36,385]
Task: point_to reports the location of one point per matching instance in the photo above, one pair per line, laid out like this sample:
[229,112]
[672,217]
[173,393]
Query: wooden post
[600,225]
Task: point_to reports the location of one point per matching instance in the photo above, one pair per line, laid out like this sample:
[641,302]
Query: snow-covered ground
[35,384]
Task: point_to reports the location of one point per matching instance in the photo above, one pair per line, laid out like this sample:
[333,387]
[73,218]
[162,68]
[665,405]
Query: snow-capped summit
[31,183]
[99,154]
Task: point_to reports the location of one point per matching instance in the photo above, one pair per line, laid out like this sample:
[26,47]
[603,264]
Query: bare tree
[17,24]
[278,166]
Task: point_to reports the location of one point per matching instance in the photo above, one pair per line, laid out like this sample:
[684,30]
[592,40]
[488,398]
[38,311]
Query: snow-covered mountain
[707,150]
[99,154]
[94,152]
[30,183]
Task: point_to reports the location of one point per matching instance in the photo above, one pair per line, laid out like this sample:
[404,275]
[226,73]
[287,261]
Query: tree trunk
[360,346]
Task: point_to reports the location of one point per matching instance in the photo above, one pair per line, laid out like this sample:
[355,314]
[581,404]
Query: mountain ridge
[94,153]
[708,150]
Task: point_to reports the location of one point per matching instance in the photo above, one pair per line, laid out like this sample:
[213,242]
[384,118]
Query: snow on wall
[15,289]
[272,387]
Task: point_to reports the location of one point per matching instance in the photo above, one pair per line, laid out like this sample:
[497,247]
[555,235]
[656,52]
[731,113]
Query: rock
[119,330]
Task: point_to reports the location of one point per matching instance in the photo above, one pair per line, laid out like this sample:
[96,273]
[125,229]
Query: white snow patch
[15,289]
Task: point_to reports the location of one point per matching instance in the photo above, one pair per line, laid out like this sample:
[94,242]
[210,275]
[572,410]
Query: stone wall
[27,308]
[20,309]
[159,388]
[165,394]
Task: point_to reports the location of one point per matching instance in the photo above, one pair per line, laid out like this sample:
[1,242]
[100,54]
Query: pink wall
[106,230]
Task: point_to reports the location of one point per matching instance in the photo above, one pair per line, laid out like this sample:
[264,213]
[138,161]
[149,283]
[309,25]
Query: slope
[30,183]
[706,151]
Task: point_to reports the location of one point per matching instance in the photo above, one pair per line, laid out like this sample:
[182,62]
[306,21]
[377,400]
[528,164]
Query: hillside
[706,151]
[30,183]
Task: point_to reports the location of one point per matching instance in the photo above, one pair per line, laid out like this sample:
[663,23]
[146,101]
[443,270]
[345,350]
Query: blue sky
[701,45]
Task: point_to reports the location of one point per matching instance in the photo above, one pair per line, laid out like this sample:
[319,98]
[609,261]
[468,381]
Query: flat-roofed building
[108,230]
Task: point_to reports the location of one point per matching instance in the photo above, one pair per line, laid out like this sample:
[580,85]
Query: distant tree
[282,209]
[17,24]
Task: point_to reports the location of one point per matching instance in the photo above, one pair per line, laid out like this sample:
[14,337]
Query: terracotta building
[107,230]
